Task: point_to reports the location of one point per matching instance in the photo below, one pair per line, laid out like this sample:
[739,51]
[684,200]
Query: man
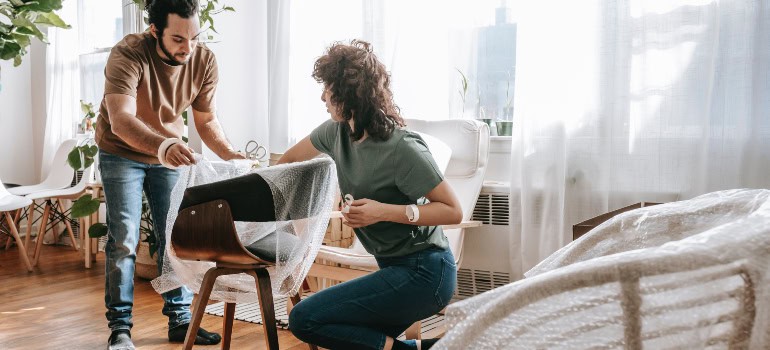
[150,79]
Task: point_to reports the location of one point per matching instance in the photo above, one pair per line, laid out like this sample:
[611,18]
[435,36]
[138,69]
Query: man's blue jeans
[124,181]
[359,314]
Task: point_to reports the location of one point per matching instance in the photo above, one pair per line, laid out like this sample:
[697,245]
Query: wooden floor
[61,306]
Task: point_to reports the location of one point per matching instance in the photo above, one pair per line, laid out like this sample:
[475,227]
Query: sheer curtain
[62,85]
[422,43]
[621,101]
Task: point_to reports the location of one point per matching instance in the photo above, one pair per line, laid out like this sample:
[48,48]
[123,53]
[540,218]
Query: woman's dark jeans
[359,314]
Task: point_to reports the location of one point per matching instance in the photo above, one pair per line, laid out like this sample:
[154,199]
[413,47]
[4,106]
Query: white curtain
[621,101]
[62,85]
[422,43]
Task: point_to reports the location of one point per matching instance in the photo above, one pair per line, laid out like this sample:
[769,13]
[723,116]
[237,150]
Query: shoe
[120,340]
[177,334]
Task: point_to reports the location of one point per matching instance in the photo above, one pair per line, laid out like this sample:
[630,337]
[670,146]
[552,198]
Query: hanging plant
[20,21]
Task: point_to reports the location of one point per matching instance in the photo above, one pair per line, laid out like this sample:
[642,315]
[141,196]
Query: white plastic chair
[59,176]
[53,204]
[9,204]
[467,165]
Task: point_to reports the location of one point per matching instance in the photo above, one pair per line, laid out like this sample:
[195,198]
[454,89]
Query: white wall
[20,122]
[242,57]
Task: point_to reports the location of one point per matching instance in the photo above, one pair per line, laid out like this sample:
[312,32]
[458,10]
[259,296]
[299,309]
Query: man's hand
[230,155]
[179,154]
[364,212]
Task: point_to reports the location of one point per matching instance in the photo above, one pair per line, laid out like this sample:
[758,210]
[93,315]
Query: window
[423,44]
[100,26]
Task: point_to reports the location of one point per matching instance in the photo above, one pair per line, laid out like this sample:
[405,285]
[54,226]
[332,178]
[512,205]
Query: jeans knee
[301,323]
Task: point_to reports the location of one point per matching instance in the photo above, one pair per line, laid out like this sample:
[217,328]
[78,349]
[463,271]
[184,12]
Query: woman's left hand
[364,212]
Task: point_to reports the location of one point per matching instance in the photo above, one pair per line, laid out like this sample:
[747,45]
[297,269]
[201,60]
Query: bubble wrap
[294,196]
[699,281]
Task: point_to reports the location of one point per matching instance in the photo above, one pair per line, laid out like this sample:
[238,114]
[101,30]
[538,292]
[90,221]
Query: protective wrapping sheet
[686,288]
[303,200]
[655,225]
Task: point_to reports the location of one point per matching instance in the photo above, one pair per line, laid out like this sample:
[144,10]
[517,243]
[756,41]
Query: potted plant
[463,91]
[22,21]
[505,124]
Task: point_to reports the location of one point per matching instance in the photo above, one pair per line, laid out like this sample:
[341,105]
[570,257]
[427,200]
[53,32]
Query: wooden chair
[204,231]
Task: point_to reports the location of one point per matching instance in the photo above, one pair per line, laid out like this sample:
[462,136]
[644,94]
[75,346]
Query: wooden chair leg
[69,227]
[413,332]
[265,292]
[41,233]
[15,234]
[227,325]
[200,302]
[30,216]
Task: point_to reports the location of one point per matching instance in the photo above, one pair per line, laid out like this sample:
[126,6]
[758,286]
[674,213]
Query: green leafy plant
[146,228]
[508,109]
[89,115]
[81,157]
[463,91]
[23,19]
[208,9]
[508,95]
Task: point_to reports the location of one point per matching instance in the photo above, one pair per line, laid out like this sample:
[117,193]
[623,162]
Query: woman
[388,170]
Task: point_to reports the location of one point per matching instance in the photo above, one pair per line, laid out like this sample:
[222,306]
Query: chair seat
[11,202]
[26,190]
[66,193]
[348,256]
[265,248]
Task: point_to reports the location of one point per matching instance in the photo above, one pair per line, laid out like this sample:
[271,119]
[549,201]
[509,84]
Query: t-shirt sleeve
[416,171]
[324,136]
[204,102]
[122,72]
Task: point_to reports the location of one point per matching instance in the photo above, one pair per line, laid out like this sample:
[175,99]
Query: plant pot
[146,266]
[488,121]
[504,127]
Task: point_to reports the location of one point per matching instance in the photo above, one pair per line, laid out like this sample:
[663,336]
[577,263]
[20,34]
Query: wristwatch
[412,213]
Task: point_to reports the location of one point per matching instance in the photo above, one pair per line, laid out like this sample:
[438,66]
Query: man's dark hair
[158,10]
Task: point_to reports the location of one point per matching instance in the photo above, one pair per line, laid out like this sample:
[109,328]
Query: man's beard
[170,61]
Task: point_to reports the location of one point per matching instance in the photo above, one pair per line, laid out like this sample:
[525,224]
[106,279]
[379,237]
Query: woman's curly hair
[360,85]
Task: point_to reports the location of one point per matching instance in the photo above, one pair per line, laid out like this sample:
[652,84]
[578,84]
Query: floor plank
[61,306]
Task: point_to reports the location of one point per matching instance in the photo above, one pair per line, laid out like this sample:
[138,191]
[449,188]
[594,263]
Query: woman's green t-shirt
[399,171]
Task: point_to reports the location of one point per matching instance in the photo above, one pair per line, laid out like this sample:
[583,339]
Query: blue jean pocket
[446,284]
